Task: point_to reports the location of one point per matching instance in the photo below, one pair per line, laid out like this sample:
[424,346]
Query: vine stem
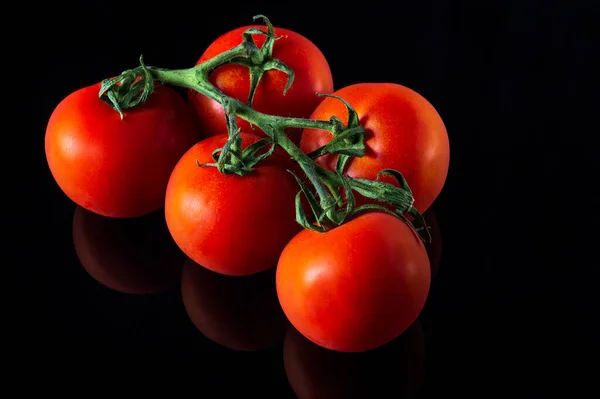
[196,78]
[329,207]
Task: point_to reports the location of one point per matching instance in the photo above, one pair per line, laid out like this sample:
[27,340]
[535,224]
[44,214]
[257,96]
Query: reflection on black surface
[434,249]
[134,256]
[395,370]
[239,313]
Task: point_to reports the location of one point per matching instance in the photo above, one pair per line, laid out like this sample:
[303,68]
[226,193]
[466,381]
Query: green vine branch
[331,198]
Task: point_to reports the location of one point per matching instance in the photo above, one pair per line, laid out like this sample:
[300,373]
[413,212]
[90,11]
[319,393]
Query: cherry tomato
[395,370]
[230,224]
[239,313]
[133,256]
[403,132]
[312,75]
[113,167]
[356,287]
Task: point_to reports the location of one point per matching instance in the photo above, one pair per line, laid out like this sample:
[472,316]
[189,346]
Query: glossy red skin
[403,132]
[133,256]
[231,224]
[357,286]
[312,75]
[113,167]
[239,313]
[395,370]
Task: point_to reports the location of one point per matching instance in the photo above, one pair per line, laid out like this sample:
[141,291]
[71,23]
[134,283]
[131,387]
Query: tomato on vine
[328,204]
[350,281]
[113,166]
[230,224]
[404,132]
[312,75]
[357,286]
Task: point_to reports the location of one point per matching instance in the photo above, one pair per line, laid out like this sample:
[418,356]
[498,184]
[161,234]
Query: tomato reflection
[434,248]
[394,370]
[239,313]
[134,256]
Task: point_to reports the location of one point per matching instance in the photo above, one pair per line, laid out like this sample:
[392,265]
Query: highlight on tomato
[132,256]
[395,370]
[239,313]
[117,167]
[356,287]
[230,224]
[311,75]
[403,132]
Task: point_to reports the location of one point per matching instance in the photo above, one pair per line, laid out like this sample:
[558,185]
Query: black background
[509,310]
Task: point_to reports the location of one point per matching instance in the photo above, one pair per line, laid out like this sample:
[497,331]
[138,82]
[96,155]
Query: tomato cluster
[352,288]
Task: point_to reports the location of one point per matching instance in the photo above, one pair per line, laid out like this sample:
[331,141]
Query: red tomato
[134,256]
[239,313]
[114,167]
[312,75]
[231,224]
[403,132]
[395,370]
[356,287]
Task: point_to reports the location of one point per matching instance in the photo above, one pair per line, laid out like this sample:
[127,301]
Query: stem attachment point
[260,60]
[130,89]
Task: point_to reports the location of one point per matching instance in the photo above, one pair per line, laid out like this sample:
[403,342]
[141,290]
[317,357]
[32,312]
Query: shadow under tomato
[239,313]
[395,370]
[434,248]
[133,256]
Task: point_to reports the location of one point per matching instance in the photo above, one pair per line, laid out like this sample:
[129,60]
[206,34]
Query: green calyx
[260,60]
[130,89]
[231,159]
[330,194]
[348,141]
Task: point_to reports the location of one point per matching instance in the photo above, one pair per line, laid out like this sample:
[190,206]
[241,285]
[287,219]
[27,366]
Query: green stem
[134,86]
[196,78]
[209,65]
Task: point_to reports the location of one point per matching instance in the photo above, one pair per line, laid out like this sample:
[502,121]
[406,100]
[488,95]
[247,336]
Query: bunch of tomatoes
[352,288]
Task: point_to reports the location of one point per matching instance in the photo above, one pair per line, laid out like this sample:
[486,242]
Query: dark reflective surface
[140,287]
[395,370]
[135,256]
[240,313]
